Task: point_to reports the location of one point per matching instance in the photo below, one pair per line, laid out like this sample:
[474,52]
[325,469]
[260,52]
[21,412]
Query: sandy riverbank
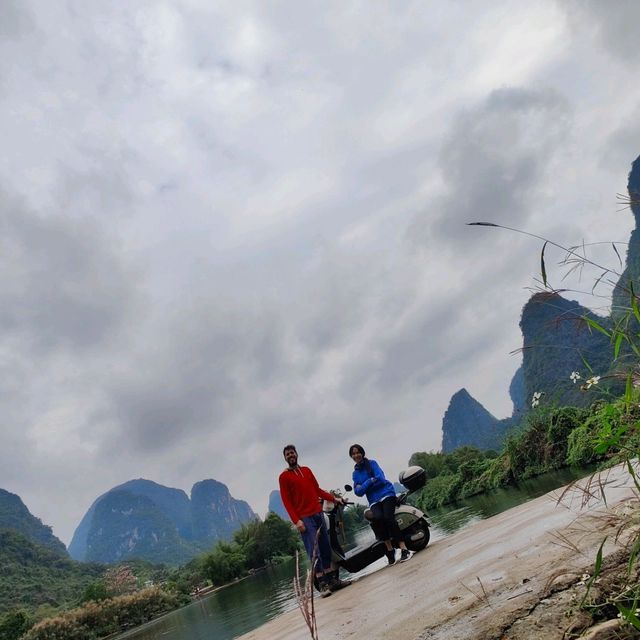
[471,585]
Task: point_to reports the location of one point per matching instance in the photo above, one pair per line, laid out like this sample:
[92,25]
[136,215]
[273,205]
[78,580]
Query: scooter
[413,524]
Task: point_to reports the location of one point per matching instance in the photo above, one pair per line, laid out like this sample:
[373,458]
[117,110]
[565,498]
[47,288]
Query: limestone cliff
[467,422]
[143,519]
[215,514]
[275,505]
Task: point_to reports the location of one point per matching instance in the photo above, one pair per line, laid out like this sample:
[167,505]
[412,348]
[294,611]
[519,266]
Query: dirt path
[473,584]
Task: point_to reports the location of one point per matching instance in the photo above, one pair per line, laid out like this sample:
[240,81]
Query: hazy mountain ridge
[143,519]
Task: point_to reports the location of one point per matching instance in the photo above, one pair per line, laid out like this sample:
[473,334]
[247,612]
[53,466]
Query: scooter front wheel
[417,536]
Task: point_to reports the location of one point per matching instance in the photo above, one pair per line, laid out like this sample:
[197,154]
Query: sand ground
[475,583]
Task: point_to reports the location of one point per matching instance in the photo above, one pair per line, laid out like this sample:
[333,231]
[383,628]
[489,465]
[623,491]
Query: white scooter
[413,524]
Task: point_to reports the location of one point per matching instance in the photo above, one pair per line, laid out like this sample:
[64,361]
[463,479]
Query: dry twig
[304,592]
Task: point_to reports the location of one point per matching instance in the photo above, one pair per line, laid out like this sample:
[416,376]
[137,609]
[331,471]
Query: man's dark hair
[289,447]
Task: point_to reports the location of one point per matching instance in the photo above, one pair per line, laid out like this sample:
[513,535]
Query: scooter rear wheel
[414,541]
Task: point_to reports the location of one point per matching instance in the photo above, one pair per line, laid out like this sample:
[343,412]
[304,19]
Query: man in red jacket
[301,496]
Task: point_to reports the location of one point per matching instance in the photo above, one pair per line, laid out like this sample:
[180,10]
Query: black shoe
[336,584]
[391,556]
[324,590]
[405,555]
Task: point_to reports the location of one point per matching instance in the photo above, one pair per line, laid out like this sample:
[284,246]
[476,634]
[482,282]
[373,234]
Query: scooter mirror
[348,487]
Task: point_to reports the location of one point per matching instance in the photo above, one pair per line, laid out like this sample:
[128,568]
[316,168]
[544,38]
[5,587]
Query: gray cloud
[615,25]
[623,143]
[63,285]
[192,375]
[14,19]
[493,160]
[214,244]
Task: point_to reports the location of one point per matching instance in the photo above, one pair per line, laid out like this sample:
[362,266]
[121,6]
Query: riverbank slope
[483,582]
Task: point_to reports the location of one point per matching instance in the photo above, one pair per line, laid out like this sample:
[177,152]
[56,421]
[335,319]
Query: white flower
[575,376]
[535,401]
[591,381]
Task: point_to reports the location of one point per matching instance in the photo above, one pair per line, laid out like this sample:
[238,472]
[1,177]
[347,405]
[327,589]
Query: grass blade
[616,250]
[585,363]
[616,346]
[628,615]
[596,572]
[597,326]
[628,392]
[633,475]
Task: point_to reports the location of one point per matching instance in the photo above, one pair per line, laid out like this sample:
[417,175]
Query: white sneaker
[405,555]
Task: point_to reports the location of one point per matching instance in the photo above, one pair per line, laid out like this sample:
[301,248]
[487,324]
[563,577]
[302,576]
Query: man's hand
[300,526]
[338,500]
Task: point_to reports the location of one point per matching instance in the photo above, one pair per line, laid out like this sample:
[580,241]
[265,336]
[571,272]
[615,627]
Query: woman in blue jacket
[369,480]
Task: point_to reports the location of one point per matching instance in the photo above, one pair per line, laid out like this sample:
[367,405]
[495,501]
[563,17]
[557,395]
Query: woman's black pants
[384,522]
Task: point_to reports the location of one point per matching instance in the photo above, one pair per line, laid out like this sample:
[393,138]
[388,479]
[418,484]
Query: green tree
[225,563]
[278,538]
[95,591]
[14,624]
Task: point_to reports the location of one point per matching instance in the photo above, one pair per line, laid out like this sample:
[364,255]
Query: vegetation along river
[249,603]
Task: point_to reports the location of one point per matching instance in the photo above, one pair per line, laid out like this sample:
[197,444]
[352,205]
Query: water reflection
[229,612]
[249,603]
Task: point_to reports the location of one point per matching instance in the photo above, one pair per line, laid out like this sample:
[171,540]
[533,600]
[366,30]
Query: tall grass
[611,430]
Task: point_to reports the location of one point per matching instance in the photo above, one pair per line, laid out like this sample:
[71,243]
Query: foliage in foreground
[612,429]
[549,439]
[99,619]
[60,598]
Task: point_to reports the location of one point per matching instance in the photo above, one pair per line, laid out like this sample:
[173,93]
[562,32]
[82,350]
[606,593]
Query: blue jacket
[371,481]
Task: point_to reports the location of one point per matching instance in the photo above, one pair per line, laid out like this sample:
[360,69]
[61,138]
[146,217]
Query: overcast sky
[230,226]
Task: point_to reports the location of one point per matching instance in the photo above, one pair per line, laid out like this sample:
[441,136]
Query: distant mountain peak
[141,518]
[467,422]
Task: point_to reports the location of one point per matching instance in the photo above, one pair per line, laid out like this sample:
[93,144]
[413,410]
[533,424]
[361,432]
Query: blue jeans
[312,525]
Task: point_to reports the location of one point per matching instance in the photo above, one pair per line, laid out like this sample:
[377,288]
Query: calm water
[249,603]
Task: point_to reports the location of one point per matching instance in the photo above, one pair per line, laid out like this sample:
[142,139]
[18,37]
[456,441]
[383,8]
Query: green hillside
[33,576]
[14,515]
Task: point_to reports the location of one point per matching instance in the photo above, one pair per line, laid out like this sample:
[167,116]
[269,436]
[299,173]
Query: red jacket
[301,493]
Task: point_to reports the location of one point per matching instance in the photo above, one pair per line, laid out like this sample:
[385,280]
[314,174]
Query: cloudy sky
[231,225]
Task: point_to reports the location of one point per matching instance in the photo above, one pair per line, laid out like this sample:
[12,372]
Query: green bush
[548,439]
[438,491]
[14,624]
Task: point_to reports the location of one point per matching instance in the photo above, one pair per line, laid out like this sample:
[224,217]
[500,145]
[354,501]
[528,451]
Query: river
[249,603]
